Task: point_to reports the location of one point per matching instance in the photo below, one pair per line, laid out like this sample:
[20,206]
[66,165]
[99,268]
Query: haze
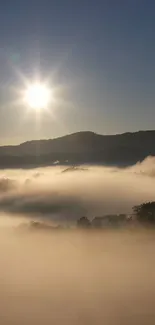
[77,278]
[61,194]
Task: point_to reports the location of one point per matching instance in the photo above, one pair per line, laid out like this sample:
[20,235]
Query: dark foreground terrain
[77,278]
[81,148]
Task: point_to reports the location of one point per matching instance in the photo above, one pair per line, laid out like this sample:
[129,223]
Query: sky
[99,56]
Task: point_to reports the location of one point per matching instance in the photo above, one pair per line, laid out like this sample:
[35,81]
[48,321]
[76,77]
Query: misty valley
[72,249]
[77,162]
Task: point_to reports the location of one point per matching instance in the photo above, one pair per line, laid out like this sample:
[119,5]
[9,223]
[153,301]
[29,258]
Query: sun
[37,96]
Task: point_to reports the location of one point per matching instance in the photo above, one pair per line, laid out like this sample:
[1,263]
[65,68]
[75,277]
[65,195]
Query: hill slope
[81,147]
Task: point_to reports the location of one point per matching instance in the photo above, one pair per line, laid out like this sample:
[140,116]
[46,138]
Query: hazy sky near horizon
[99,55]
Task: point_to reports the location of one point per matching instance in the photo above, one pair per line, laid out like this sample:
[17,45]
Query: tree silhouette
[83,222]
[145,212]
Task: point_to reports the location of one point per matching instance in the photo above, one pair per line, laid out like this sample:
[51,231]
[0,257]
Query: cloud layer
[73,278]
[49,192]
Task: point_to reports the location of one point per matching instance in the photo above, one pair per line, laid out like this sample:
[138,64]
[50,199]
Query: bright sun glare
[37,96]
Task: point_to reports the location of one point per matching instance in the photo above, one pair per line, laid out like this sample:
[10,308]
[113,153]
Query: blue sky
[101,53]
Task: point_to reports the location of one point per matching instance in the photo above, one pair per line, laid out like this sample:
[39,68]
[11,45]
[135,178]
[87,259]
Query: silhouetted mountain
[81,147]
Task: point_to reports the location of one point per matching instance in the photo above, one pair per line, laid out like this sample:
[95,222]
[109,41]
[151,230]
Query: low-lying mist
[81,278]
[75,277]
[65,196]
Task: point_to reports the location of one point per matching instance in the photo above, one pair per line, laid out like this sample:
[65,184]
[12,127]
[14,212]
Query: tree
[145,212]
[83,222]
[97,222]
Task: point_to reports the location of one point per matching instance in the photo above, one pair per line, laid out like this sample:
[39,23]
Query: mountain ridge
[81,148]
[86,132]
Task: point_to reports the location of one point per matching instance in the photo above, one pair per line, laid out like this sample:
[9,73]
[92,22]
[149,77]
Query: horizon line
[73,133]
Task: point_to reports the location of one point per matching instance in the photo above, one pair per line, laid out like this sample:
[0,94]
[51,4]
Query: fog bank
[77,278]
[64,196]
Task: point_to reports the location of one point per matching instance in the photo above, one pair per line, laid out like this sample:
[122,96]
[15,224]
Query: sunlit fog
[63,194]
[75,276]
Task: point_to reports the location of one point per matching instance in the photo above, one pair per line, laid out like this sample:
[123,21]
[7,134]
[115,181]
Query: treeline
[143,214]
